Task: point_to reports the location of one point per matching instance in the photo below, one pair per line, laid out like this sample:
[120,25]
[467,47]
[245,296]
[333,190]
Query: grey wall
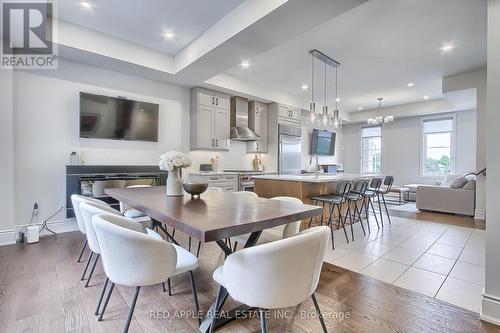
[491,298]
[401,145]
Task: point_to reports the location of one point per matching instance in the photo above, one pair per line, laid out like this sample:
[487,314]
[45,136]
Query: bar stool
[388,182]
[370,194]
[356,194]
[334,201]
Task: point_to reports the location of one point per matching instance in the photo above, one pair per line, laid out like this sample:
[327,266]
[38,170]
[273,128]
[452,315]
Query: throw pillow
[459,182]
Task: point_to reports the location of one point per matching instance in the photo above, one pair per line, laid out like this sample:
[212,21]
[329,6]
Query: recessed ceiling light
[245,64]
[426,97]
[168,35]
[447,47]
[304,87]
[86,4]
[360,108]
[411,84]
[337,99]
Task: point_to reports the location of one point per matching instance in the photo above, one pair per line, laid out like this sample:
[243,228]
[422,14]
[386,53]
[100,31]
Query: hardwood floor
[450,219]
[41,291]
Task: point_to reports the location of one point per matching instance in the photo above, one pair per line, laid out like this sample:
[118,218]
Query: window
[371,150]
[438,137]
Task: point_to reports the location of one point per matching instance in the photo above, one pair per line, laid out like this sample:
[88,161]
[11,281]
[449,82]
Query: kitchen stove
[245,179]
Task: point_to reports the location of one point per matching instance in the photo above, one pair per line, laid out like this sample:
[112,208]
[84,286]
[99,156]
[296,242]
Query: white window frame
[361,149]
[423,144]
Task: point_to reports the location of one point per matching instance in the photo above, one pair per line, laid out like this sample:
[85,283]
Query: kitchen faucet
[316,169]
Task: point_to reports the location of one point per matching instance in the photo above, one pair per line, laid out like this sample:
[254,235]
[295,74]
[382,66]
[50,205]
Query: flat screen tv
[323,142]
[103,117]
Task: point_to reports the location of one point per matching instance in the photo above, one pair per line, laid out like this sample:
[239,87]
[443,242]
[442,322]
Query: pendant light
[312,104]
[337,122]
[325,106]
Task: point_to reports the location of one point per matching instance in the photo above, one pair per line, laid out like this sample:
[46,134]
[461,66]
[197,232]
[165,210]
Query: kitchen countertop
[322,178]
[212,173]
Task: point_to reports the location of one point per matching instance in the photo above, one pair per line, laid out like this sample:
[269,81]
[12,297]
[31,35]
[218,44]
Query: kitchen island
[302,187]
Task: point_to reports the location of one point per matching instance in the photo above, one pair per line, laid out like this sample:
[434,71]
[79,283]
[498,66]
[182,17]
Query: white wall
[6,149]
[491,298]
[46,130]
[401,144]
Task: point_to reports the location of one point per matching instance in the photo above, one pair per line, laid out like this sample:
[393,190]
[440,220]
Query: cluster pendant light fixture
[324,120]
[380,120]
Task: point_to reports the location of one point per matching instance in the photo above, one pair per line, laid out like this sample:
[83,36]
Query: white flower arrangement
[174,160]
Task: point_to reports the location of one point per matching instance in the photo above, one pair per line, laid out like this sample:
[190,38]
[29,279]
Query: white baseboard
[8,237]
[480,214]
[490,309]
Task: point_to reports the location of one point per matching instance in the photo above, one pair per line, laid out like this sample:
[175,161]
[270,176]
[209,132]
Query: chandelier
[379,120]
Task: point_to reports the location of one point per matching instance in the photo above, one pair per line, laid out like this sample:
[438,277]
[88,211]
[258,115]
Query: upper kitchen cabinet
[288,115]
[209,120]
[258,122]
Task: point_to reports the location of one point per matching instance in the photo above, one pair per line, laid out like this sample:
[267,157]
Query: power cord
[44,223]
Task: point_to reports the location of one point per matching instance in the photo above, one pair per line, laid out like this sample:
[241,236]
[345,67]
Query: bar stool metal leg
[380,209]
[386,210]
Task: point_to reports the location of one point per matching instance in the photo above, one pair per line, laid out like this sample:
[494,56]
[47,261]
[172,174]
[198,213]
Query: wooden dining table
[214,217]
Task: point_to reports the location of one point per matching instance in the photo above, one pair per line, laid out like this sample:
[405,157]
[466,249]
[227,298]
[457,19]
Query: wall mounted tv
[322,142]
[103,117]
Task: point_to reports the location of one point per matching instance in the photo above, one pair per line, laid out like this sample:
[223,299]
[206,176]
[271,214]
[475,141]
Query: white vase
[174,183]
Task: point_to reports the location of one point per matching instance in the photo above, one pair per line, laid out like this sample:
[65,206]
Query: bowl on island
[195,189]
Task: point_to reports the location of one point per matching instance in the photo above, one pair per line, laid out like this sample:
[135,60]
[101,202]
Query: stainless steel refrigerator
[289,149]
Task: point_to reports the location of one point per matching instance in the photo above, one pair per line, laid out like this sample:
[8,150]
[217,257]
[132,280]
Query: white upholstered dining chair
[276,275]
[275,233]
[128,211]
[76,199]
[136,259]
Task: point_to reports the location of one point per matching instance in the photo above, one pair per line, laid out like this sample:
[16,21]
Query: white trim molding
[479,214]
[8,237]
[490,309]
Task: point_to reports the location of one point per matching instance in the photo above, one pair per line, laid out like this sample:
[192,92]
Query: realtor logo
[27,35]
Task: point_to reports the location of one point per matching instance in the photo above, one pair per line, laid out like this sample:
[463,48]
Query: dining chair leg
[235,246]
[108,296]
[92,270]
[169,287]
[311,219]
[101,296]
[356,210]
[214,310]
[352,223]
[195,296]
[370,203]
[131,310]
[199,248]
[386,210]
[189,244]
[87,266]
[380,209]
[320,315]
[81,252]
[330,224]
[163,286]
[262,315]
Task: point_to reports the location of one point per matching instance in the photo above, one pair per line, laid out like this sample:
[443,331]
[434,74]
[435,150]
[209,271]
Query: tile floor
[441,261]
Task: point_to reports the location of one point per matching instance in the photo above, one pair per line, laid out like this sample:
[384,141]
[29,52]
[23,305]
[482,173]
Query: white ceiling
[382,45]
[143,22]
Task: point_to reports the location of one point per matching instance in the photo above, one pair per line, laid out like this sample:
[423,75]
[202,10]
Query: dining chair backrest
[359,188]
[345,190]
[388,182]
[124,207]
[292,228]
[215,189]
[247,194]
[375,183]
[279,274]
[76,199]
[131,257]
[88,210]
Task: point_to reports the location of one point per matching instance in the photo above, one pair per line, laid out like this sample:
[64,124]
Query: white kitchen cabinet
[288,115]
[258,122]
[209,120]
[228,182]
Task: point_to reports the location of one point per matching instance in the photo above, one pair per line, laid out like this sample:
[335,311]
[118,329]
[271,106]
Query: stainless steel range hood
[239,121]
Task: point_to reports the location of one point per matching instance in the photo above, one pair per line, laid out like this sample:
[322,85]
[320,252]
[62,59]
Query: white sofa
[446,199]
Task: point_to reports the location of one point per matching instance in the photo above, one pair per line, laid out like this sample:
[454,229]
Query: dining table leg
[211,317]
